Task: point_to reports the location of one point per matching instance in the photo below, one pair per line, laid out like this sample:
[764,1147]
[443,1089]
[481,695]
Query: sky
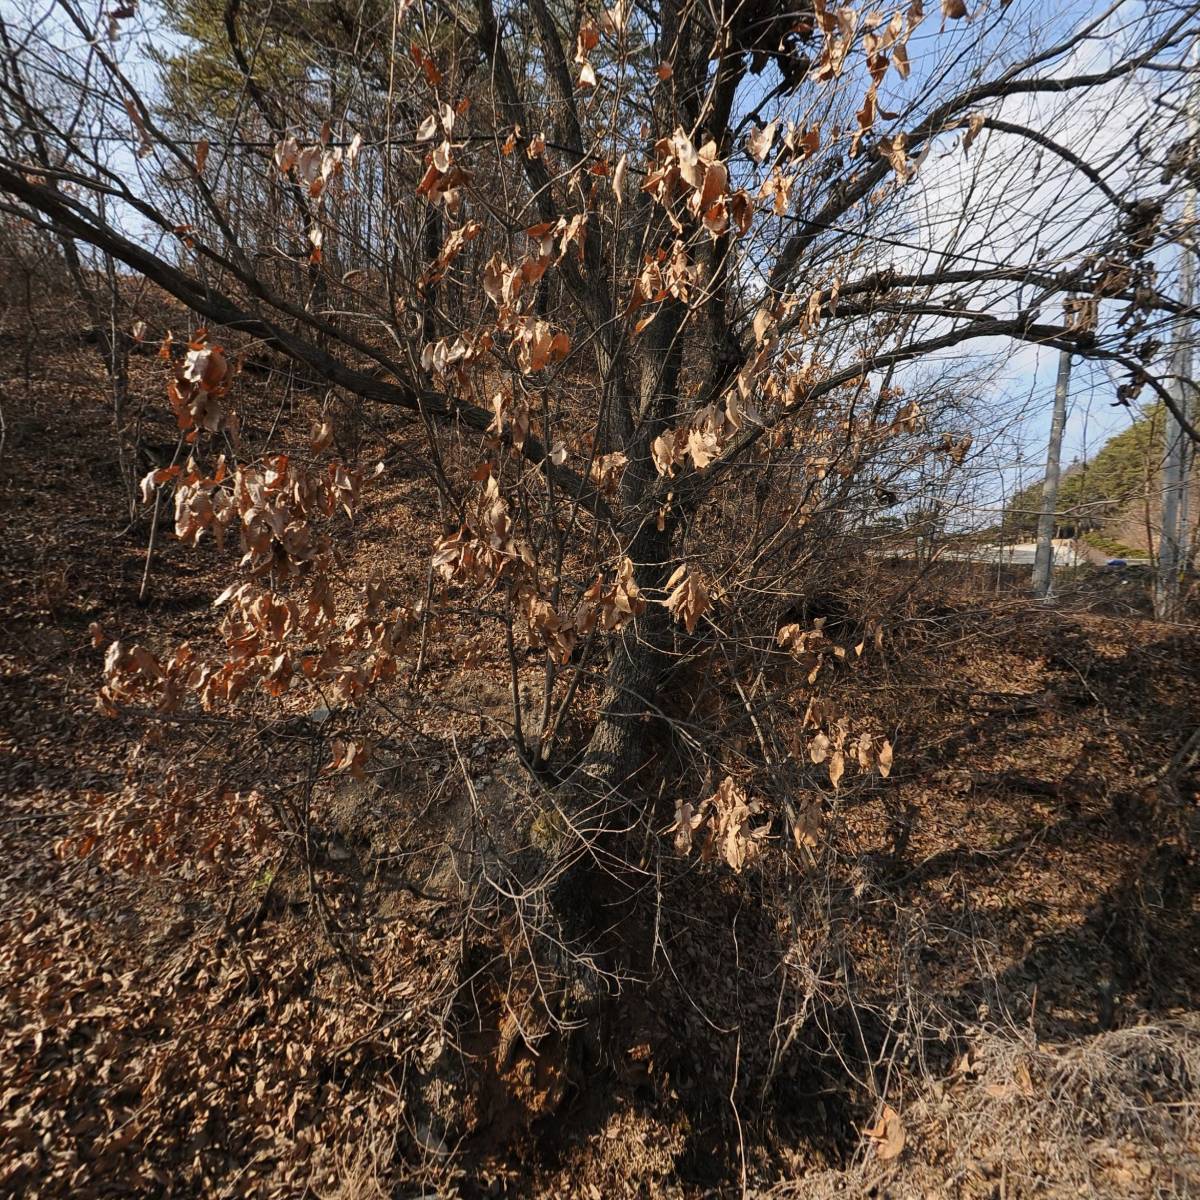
[1017,191]
[999,175]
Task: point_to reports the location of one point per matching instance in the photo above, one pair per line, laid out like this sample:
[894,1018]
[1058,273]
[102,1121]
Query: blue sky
[1024,376]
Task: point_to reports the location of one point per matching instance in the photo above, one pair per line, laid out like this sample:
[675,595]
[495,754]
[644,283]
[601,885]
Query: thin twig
[154,529]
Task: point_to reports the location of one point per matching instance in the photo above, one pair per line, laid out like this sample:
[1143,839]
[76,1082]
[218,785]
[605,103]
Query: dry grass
[365,1170]
[1112,1116]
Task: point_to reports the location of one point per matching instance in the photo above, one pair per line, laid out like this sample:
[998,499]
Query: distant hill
[1103,500]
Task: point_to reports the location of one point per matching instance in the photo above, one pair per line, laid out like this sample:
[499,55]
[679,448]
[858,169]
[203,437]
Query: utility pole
[1043,561]
[1173,540]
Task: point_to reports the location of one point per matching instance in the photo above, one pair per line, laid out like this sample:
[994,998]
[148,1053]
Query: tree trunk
[614,751]
[639,658]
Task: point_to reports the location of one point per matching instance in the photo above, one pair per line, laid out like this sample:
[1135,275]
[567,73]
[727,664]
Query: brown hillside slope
[204,995]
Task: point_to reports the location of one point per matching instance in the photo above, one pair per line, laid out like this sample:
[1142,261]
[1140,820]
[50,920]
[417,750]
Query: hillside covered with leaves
[489,707]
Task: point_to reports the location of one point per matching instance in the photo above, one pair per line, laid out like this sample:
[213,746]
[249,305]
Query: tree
[660,267]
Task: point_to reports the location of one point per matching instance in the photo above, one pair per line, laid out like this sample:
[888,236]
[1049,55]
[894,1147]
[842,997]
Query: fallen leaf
[885,758]
[837,767]
[322,436]
[887,1133]
[818,748]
